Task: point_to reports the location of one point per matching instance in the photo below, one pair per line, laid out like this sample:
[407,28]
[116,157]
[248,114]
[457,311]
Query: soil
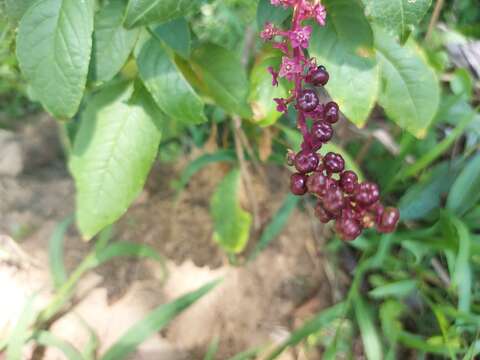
[256,304]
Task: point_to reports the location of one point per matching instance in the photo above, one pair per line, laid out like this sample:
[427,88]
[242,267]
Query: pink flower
[274,76]
[320,14]
[290,68]
[300,37]
[269,31]
[281,105]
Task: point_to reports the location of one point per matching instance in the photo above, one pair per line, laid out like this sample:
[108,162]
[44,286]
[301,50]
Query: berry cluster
[341,197]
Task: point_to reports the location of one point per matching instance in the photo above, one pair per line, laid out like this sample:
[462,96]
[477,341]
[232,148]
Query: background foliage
[133,81]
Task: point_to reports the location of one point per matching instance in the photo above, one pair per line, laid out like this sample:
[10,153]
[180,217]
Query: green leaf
[370,337]
[167,85]
[231,222]
[276,225]
[54,43]
[153,323]
[397,17]
[47,339]
[114,150]
[212,349]
[176,34]
[465,191]
[224,78]
[396,289]
[345,47]
[112,43]
[55,252]
[202,161]
[410,94]
[426,195]
[21,332]
[143,12]
[247,355]
[262,92]
[322,319]
[266,12]
[14,9]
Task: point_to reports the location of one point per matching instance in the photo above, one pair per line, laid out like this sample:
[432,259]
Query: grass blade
[212,349]
[247,355]
[21,333]
[370,338]
[153,323]
[47,339]
[276,225]
[311,327]
[55,252]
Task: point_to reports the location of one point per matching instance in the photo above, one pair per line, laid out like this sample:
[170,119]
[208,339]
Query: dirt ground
[256,304]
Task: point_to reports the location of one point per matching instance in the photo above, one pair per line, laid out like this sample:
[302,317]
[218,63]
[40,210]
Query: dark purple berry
[389,220]
[348,229]
[319,77]
[333,201]
[334,162]
[322,131]
[323,215]
[348,181]
[298,184]
[331,112]
[308,100]
[306,161]
[318,183]
[367,194]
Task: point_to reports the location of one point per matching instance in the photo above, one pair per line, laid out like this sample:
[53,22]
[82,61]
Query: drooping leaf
[112,43]
[47,339]
[152,323]
[202,161]
[397,17]
[262,92]
[143,12]
[224,78]
[14,9]
[410,93]
[124,249]
[231,222]
[167,85]
[266,12]
[345,47]
[55,252]
[176,34]
[54,43]
[276,225]
[113,153]
[465,192]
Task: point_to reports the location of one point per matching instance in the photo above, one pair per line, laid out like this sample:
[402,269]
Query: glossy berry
[318,183]
[322,131]
[308,100]
[323,215]
[348,229]
[319,77]
[367,194]
[348,181]
[334,162]
[389,220]
[333,200]
[331,112]
[298,184]
[306,161]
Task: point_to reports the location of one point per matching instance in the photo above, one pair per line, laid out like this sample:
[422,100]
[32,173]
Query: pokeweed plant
[353,205]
